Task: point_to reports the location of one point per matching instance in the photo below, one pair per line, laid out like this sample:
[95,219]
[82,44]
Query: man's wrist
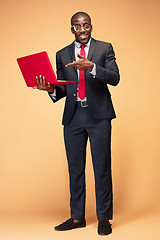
[91,66]
[50,92]
[93,72]
[51,89]
[53,94]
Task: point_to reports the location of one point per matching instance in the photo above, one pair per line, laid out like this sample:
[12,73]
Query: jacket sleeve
[110,72]
[60,90]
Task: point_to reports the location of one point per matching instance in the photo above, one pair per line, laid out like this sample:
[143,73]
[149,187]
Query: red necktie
[81,89]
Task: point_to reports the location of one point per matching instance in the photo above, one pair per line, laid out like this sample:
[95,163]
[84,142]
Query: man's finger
[71,64]
[80,56]
[44,80]
[40,78]
[48,85]
[37,80]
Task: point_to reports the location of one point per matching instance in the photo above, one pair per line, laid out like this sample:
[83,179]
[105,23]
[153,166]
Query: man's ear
[72,30]
[91,28]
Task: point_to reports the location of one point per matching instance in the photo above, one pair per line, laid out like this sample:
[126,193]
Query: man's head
[81,27]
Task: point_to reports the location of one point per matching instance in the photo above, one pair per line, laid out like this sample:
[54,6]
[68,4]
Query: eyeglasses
[77,27]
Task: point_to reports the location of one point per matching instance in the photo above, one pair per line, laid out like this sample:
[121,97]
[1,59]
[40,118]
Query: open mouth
[83,36]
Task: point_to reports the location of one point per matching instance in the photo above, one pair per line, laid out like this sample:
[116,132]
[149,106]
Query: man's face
[82,34]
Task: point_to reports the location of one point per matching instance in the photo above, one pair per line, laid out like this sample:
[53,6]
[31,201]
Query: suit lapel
[75,77]
[91,49]
[72,54]
[72,51]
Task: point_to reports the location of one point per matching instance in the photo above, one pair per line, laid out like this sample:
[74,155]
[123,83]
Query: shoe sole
[69,229]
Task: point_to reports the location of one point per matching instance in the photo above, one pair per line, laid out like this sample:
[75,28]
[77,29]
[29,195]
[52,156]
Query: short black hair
[78,15]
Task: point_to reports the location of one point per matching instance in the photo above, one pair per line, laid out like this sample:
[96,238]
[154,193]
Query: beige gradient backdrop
[33,166]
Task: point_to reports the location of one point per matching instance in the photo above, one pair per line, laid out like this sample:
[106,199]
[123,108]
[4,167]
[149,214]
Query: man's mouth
[83,36]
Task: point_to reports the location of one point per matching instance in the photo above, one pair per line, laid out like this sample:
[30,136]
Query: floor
[143,227]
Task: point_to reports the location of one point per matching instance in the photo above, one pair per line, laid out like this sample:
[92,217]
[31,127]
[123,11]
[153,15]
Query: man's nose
[82,29]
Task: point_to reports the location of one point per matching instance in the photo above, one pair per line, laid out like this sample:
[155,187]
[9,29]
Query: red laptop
[38,64]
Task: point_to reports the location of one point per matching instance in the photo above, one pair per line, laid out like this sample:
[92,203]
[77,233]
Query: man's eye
[78,26]
[86,25]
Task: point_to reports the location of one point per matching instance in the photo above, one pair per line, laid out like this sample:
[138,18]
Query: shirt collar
[78,45]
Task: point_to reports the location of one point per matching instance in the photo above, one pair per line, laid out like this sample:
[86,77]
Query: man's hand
[41,84]
[82,64]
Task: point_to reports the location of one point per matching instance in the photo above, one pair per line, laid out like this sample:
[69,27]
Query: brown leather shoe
[104,227]
[70,224]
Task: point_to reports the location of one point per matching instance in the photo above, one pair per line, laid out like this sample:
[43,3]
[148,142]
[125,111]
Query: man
[88,113]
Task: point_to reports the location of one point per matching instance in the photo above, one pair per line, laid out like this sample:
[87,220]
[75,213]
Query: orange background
[33,166]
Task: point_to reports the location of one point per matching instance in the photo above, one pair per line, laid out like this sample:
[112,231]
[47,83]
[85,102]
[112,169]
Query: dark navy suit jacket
[99,98]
